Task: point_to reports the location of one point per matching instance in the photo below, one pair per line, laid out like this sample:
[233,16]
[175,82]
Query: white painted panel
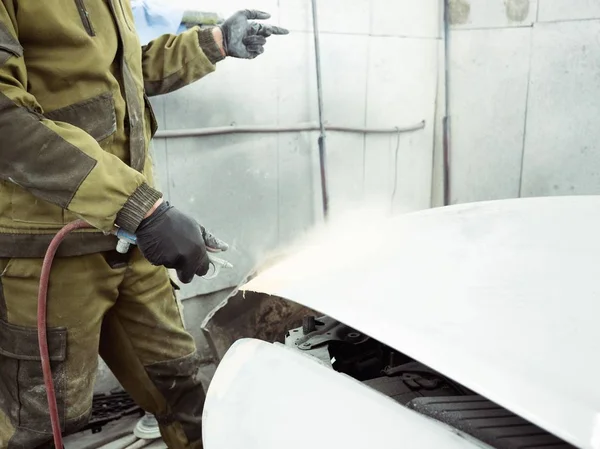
[335,16]
[411,18]
[344,62]
[260,389]
[296,79]
[489,75]
[556,10]
[229,184]
[298,182]
[240,91]
[345,163]
[437,181]
[402,81]
[401,92]
[493,13]
[506,288]
[562,153]
[398,172]
[227,7]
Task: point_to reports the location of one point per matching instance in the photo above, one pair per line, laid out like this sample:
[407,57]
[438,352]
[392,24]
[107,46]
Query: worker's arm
[57,162]
[171,62]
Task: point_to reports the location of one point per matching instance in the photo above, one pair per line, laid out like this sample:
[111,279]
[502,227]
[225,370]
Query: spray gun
[126,239]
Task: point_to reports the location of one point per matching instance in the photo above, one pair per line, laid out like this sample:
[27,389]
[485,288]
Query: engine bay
[416,386]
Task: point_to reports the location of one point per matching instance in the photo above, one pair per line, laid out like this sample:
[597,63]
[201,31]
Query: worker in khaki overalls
[75,125]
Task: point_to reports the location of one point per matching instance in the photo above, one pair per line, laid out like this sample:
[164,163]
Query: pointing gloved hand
[244,39]
[171,238]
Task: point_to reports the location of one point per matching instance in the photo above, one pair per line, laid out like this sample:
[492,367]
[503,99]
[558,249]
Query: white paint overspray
[357,231]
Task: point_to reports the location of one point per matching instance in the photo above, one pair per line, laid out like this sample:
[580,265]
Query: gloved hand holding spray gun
[167,219]
[174,240]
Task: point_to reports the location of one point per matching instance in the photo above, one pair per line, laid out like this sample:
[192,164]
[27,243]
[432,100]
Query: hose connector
[126,239]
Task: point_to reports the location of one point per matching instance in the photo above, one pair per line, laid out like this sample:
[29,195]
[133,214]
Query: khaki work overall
[123,309]
[75,128]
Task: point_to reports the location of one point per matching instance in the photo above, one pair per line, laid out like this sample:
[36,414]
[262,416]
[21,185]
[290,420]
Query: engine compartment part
[413,382]
[250,315]
[487,422]
[415,385]
[315,332]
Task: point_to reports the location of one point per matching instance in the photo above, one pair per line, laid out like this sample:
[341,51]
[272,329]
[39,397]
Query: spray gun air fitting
[126,239]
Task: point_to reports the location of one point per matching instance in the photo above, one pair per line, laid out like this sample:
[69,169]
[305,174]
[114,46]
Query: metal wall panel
[402,88]
[488,93]
[261,192]
[559,10]
[524,99]
[476,14]
[562,152]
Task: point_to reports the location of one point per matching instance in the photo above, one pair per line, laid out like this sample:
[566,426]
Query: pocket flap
[9,46]
[21,343]
[96,116]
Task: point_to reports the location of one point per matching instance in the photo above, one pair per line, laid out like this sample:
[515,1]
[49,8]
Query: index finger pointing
[268,30]
[253,14]
[279,30]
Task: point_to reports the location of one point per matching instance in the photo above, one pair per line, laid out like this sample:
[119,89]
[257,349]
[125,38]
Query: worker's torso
[84,67]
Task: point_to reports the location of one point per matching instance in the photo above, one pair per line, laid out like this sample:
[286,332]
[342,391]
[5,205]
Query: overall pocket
[9,46]
[96,116]
[22,389]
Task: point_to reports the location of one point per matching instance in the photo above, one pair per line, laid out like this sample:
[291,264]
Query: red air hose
[41,326]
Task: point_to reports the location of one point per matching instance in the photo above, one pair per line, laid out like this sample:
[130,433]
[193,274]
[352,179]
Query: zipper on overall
[85,17]
[125,19]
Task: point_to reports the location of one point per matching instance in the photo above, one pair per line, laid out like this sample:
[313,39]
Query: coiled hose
[41,326]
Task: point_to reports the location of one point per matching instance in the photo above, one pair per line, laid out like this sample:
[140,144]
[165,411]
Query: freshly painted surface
[501,296]
[267,396]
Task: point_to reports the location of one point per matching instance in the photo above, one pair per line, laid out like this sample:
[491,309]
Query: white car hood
[503,297]
[268,396]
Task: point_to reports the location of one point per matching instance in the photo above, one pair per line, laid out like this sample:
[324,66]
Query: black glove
[171,238]
[244,39]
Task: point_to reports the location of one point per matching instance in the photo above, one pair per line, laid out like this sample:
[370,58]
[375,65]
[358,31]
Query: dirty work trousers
[119,306]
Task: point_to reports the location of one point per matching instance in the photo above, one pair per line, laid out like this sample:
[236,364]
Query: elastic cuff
[136,207]
[209,45]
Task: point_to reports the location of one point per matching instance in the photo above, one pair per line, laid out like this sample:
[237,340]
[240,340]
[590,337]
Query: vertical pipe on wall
[446,124]
[322,135]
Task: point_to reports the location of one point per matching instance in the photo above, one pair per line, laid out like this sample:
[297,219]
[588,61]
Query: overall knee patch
[22,389]
[179,382]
